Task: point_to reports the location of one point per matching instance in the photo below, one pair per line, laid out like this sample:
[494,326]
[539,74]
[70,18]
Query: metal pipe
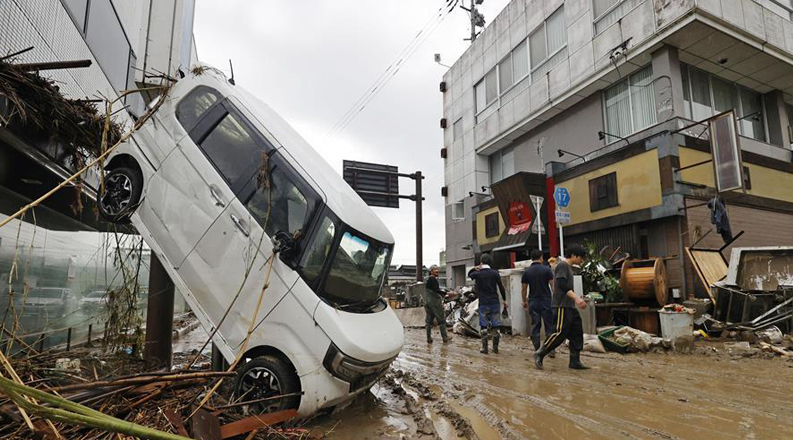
[69,339]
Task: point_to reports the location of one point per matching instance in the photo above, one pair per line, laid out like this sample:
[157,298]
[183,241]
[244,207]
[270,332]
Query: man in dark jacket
[568,320]
[487,281]
[433,306]
[536,294]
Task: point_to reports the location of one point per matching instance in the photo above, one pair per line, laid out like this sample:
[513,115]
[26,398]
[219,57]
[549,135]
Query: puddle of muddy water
[482,429]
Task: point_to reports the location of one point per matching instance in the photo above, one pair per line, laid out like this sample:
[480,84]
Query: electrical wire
[395,66]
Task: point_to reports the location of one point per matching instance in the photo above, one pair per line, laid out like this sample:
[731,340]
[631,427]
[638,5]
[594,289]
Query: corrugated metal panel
[626,237]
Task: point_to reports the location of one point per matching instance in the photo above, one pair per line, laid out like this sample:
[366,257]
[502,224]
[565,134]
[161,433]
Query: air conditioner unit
[443,87]
[444,191]
[443,122]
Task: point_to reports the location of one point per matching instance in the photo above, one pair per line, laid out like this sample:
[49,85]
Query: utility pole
[477,19]
[419,230]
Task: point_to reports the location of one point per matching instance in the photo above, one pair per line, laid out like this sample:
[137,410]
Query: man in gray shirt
[568,321]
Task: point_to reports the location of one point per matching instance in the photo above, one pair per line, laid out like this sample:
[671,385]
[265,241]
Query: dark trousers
[434,311]
[568,326]
[540,312]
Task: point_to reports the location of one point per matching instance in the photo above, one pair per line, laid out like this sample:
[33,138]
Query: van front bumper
[359,374]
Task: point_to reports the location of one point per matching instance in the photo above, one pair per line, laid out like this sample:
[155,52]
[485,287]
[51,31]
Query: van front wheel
[262,380]
[121,194]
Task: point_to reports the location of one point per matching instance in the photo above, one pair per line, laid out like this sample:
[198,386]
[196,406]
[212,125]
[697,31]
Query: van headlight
[356,372]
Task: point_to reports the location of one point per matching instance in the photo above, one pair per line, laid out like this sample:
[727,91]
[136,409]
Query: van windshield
[358,269]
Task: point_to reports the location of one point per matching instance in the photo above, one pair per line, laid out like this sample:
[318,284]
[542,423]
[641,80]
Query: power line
[395,66]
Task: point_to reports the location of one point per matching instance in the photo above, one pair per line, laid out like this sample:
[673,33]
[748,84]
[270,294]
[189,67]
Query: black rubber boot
[429,334]
[575,361]
[496,338]
[484,344]
[539,355]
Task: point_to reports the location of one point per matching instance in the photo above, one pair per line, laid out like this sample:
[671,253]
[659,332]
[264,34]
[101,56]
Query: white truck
[201,181]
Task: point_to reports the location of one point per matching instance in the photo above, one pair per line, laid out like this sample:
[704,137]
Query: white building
[560,71]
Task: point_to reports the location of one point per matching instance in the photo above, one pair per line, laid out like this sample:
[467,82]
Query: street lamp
[602,135]
[563,152]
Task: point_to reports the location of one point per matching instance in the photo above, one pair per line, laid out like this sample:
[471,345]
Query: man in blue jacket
[536,293]
[488,280]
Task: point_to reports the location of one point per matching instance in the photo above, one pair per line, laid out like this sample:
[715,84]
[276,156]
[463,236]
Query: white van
[198,180]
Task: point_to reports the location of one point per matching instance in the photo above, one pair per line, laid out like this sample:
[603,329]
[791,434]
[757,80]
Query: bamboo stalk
[141,380]
[70,412]
[15,377]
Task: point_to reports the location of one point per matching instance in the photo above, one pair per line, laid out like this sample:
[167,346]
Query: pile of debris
[31,103]
[86,394]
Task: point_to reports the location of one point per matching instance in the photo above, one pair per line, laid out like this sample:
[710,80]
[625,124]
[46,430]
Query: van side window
[290,208]
[231,147]
[318,250]
[195,105]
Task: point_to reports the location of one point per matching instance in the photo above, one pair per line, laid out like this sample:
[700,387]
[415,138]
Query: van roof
[342,200]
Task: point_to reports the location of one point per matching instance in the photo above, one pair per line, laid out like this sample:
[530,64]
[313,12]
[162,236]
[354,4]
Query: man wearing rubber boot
[433,306]
[568,321]
[536,294]
[487,281]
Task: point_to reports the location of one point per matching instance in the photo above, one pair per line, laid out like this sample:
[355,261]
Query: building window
[603,192]
[486,90]
[458,210]
[491,225]
[548,44]
[608,12]
[705,95]
[630,104]
[457,129]
[502,164]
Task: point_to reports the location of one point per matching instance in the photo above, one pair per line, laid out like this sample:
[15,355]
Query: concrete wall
[575,130]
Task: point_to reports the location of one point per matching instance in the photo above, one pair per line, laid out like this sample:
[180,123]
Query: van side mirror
[286,246]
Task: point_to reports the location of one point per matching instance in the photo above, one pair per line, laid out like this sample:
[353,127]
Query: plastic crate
[611,345]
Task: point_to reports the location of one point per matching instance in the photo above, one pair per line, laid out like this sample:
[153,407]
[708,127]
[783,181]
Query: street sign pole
[561,240]
[562,197]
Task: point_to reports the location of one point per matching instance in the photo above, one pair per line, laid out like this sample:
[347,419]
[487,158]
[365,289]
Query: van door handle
[240,225]
[213,191]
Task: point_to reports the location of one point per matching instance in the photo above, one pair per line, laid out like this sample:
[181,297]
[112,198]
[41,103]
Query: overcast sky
[311,60]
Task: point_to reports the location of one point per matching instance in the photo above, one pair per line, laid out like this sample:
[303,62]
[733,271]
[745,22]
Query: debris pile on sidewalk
[85,394]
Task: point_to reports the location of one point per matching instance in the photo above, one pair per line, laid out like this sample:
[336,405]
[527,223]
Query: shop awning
[513,196]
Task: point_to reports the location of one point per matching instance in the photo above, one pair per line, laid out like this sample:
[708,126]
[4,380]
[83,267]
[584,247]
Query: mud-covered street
[452,391]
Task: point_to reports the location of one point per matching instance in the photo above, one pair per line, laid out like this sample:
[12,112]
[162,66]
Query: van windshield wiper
[366,303]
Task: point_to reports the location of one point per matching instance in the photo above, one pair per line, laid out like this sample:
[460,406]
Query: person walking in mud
[487,281]
[536,294]
[433,306]
[568,320]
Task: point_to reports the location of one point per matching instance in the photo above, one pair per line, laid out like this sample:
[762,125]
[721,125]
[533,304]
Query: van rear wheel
[121,194]
[262,380]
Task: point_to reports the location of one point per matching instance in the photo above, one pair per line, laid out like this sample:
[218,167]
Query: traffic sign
[537,200]
[537,224]
[562,217]
[562,196]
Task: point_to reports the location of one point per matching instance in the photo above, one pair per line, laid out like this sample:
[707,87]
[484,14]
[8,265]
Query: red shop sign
[519,218]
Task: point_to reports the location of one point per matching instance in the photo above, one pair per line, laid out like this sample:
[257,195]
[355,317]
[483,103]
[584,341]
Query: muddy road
[452,391]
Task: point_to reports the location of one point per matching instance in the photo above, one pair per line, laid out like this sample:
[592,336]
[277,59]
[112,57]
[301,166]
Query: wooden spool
[644,279]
